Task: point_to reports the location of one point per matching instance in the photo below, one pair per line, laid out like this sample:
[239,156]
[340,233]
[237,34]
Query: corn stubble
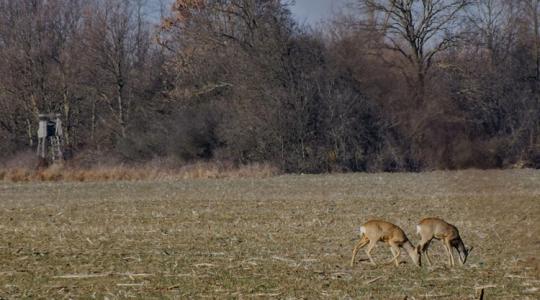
[284,236]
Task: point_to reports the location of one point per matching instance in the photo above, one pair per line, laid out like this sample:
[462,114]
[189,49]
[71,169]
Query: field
[280,237]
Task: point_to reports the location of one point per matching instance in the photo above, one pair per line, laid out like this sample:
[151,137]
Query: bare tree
[417,30]
[239,80]
[28,44]
[531,12]
[117,41]
[490,23]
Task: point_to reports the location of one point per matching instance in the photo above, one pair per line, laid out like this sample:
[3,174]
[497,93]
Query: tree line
[386,85]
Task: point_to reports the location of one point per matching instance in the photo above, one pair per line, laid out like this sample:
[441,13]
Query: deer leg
[447,254]
[424,245]
[359,245]
[393,255]
[452,256]
[396,252]
[427,257]
[449,251]
[368,251]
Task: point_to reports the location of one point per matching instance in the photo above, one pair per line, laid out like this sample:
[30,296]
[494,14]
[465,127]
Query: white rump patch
[418,229]
[363,229]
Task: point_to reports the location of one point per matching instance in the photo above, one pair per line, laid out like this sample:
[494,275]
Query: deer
[435,228]
[374,231]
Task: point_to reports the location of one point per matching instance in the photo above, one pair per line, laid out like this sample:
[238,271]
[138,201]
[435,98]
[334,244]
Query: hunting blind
[50,136]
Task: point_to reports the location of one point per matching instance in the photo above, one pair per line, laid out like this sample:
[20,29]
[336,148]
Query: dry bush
[151,171]
[17,175]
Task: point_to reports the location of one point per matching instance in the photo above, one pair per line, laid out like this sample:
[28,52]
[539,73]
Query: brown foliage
[393,86]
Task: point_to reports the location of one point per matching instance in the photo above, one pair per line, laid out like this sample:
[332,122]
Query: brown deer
[376,230]
[435,228]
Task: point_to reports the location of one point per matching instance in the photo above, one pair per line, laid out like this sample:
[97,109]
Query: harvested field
[280,237]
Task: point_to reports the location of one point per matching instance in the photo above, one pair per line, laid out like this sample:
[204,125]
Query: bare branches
[237,80]
[417,30]
[418,23]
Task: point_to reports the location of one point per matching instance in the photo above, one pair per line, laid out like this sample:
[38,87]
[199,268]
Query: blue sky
[313,11]
[309,11]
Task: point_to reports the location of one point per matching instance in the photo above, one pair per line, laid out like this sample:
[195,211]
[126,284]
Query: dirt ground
[281,237]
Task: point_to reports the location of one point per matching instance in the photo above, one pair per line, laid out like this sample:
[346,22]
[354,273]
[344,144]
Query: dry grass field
[279,237]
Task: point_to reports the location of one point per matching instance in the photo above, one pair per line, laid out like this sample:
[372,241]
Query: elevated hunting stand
[50,136]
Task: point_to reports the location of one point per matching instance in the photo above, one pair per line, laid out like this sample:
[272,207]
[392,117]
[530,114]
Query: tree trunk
[67,114]
[29,132]
[93,123]
[420,86]
[536,40]
[121,112]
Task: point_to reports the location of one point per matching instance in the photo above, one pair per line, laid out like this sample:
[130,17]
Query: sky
[305,11]
[314,11]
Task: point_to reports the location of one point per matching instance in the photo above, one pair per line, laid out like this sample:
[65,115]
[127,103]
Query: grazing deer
[435,228]
[376,230]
